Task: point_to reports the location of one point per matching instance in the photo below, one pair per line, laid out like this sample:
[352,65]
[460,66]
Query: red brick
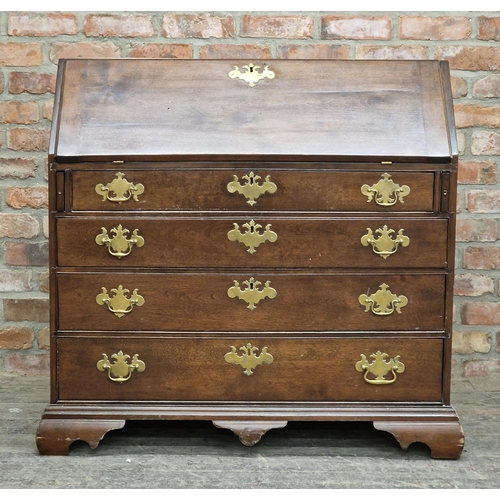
[15,281]
[313,51]
[488,28]
[28,139]
[33,197]
[197,26]
[26,310]
[20,54]
[479,58]
[471,342]
[17,168]
[48,109]
[28,364]
[398,52]
[473,115]
[21,253]
[35,24]
[161,51]
[488,86]
[484,142]
[2,82]
[480,368]
[118,25]
[487,258]
[458,87]
[32,83]
[43,338]
[481,313]
[483,201]
[16,337]
[434,28]
[91,50]
[477,172]
[233,51]
[356,27]
[18,226]
[19,112]
[43,279]
[473,285]
[477,230]
[296,27]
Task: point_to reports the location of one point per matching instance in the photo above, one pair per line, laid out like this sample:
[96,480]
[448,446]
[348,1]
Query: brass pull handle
[250,73]
[384,245]
[385,192]
[249,360]
[119,304]
[122,189]
[252,189]
[120,371]
[119,246]
[251,237]
[379,368]
[251,294]
[383,302]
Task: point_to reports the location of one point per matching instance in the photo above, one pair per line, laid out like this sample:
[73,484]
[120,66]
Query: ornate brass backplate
[122,189]
[120,371]
[385,192]
[248,360]
[383,302]
[251,237]
[376,371]
[250,73]
[120,304]
[252,189]
[384,245]
[119,246]
[251,294]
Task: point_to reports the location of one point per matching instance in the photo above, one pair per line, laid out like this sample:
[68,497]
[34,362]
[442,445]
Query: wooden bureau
[252,243]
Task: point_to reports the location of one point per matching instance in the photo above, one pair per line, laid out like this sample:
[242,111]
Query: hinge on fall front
[386,162]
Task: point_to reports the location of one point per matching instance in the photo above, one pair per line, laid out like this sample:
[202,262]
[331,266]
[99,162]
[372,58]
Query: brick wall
[32,42]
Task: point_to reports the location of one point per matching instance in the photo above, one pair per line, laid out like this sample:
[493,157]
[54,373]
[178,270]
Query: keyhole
[251,286]
[251,229]
[251,69]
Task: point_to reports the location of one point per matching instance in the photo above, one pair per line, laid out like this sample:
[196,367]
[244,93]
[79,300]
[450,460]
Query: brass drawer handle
[251,189]
[120,371]
[383,302]
[385,192]
[379,368]
[251,294]
[251,75]
[249,361]
[122,189]
[384,245]
[119,246]
[251,237]
[120,304]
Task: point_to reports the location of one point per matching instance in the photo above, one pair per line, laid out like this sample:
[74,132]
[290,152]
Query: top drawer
[257,190]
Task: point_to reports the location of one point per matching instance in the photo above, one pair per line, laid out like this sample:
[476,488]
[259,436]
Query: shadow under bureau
[252,243]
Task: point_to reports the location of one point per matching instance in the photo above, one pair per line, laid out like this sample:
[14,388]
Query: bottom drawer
[270,369]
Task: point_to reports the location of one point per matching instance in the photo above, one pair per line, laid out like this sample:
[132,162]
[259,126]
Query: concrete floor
[196,455]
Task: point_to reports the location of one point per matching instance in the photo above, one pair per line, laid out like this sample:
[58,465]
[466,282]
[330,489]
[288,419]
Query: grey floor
[196,455]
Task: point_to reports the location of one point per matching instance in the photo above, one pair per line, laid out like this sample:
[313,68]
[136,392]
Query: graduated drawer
[235,301]
[275,369]
[245,242]
[208,190]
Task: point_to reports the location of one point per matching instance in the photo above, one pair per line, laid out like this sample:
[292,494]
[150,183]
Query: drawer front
[208,369]
[290,190]
[245,242]
[238,302]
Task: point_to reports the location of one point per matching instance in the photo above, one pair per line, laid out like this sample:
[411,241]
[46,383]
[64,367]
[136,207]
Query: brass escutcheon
[120,304]
[119,246]
[250,73]
[248,360]
[251,237]
[251,294]
[383,302]
[379,368]
[120,371]
[251,189]
[385,192]
[384,245]
[123,190]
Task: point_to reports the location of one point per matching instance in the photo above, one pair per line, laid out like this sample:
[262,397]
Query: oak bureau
[252,243]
